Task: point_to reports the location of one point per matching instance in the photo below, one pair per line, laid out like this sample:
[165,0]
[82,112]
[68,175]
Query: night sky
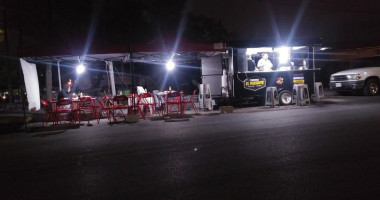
[336,21]
[70,22]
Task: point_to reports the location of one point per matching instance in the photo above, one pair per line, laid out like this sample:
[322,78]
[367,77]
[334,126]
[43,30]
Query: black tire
[371,88]
[285,97]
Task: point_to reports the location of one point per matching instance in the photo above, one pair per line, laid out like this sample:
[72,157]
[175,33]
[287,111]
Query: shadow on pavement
[51,130]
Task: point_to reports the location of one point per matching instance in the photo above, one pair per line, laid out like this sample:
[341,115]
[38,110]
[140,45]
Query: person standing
[264,63]
[303,65]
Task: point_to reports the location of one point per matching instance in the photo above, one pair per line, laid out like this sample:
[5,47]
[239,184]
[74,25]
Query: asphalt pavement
[329,150]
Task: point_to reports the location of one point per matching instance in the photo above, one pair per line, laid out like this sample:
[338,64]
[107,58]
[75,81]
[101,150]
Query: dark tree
[204,29]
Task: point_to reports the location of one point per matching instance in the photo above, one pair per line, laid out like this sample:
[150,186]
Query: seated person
[66,92]
[264,63]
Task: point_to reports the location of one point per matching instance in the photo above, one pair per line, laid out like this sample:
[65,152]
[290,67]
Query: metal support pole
[131,70]
[59,76]
[232,66]
[314,67]
[49,81]
[112,78]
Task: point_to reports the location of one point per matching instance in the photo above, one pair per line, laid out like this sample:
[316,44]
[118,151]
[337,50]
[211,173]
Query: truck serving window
[267,59]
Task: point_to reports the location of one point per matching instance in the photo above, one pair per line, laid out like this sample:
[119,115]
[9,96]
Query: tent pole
[112,78]
[131,69]
[313,67]
[59,76]
[49,80]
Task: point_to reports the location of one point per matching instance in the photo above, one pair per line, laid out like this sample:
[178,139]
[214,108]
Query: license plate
[338,84]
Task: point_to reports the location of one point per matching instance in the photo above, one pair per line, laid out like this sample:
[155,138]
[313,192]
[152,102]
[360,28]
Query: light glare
[80,68]
[284,55]
[170,65]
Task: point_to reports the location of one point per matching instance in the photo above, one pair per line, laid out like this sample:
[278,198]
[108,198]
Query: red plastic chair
[63,108]
[50,115]
[120,102]
[147,102]
[106,107]
[89,104]
[135,107]
[190,101]
[81,105]
[173,99]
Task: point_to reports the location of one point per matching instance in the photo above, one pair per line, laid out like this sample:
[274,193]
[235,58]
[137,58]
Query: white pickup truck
[359,79]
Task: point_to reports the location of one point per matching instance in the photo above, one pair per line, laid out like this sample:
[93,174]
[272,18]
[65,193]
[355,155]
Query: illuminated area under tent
[91,63]
[113,79]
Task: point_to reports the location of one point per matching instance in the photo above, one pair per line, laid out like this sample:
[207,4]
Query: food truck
[237,76]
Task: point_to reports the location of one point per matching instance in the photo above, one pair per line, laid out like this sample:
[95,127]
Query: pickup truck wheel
[371,88]
[285,97]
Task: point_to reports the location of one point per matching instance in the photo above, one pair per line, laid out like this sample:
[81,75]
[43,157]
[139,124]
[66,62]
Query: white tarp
[31,84]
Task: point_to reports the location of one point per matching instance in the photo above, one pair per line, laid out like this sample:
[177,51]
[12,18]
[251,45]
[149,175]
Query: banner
[31,84]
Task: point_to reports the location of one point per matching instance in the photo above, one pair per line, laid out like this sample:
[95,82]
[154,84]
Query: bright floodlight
[170,65]
[80,68]
[284,55]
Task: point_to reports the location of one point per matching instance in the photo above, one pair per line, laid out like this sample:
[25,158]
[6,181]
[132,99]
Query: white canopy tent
[151,53]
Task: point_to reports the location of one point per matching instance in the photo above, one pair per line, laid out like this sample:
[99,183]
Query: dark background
[49,27]
[336,21]
[69,23]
